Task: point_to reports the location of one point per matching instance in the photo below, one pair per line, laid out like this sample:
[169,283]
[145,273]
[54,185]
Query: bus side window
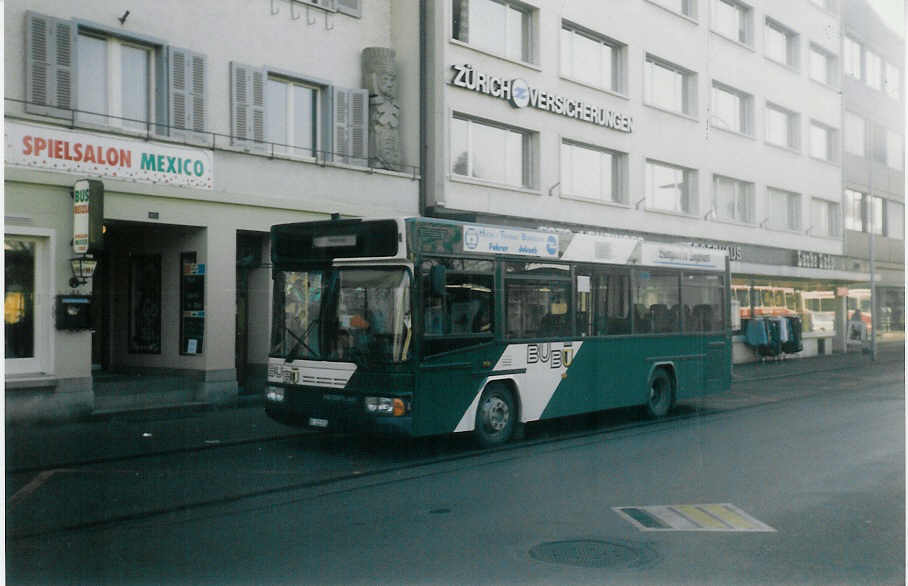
[464,309]
[538,309]
[657,303]
[612,303]
[701,295]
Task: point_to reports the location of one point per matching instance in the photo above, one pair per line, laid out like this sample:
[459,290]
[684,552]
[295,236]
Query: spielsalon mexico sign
[519,93]
[98,155]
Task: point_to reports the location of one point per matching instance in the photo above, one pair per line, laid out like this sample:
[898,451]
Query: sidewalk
[793,366]
[40,446]
[159,431]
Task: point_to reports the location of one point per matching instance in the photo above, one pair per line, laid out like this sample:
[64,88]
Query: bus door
[702,295]
[457,349]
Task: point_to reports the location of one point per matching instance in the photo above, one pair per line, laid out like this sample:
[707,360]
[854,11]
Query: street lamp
[83,267]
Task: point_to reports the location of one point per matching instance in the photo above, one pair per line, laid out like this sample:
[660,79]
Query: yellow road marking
[729,516]
[700,517]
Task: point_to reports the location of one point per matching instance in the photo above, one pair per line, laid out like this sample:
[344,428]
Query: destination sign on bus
[679,256]
[332,241]
[506,241]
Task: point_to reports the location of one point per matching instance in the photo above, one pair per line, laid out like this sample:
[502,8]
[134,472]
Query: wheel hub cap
[496,413]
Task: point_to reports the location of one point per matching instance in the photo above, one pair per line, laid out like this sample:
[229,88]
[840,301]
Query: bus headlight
[275,394]
[386,406]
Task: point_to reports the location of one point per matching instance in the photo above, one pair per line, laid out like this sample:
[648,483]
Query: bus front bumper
[316,408]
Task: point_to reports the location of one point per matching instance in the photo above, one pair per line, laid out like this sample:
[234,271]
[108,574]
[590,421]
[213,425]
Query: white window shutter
[247,105]
[50,59]
[351,126]
[178,116]
[188,91]
[258,104]
[198,68]
[340,125]
[359,127]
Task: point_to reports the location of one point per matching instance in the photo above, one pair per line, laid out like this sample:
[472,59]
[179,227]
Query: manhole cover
[590,553]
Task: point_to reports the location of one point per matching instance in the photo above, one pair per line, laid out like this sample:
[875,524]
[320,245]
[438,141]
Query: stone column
[380,78]
[219,382]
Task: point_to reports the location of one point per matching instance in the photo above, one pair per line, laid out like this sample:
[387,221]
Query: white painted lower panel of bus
[546,364]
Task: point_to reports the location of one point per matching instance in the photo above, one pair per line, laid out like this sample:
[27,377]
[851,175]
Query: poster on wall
[192,304]
[145,304]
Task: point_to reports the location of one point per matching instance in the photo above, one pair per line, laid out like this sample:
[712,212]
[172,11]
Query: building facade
[198,128]
[874,157]
[717,123]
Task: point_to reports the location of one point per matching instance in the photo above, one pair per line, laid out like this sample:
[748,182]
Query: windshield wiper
[300,341]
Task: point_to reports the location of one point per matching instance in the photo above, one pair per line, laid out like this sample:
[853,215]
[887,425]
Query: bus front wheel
[659,400]
[495,416]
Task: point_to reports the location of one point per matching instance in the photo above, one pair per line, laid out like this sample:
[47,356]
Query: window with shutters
[97,75]
[279,113]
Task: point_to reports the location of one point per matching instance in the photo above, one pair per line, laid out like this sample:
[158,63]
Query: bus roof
[429,235]
[374,239]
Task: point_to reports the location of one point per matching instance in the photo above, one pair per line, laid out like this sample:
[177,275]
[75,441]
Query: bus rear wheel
[495,416]
[659,399]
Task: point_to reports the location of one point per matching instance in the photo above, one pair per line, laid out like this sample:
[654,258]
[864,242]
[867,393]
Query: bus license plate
[315,422]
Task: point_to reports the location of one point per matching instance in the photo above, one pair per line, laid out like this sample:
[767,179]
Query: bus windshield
[361,315]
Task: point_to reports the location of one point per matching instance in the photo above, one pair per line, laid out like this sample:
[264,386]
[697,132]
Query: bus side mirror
[438,275]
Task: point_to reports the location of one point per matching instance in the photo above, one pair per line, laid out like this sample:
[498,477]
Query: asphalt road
[817,464]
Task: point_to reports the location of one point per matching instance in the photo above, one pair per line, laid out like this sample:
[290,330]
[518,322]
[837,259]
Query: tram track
[560,434]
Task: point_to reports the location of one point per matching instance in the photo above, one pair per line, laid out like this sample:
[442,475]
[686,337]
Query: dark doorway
[248,258]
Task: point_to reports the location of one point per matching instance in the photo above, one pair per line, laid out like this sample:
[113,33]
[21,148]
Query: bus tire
[496,416]
[659,394]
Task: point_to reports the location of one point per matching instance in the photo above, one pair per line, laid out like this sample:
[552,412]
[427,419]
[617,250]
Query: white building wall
[250,191]
[645,27]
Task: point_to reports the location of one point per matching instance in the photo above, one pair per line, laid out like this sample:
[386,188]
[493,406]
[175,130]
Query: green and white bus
[425,326]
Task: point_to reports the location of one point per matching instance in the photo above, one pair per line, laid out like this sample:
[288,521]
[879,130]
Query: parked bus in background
[424,326]
[819,311]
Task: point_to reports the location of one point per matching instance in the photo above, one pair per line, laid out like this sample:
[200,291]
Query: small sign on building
[88,216]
